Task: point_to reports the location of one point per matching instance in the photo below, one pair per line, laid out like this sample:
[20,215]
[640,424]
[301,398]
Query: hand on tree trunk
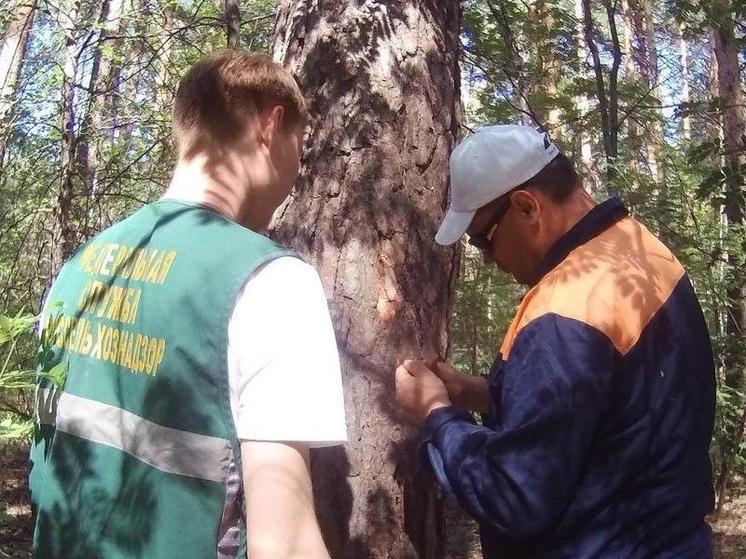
[419,390]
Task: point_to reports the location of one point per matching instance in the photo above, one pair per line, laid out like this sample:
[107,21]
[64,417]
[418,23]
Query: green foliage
[485,300]
[16,376]
[728,421]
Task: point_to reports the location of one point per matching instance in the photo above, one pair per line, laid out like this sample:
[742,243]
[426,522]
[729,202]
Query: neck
[572,211]
[561,218]
[224,185]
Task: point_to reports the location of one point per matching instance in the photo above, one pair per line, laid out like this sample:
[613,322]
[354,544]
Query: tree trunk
[589,171]
[656,145]
[64,236]
[734,144]
[232,19]
[548,74]
[634,140]
[608,101]
[98,123]
[12,55]
[645,56]
[382,83]
[686,126]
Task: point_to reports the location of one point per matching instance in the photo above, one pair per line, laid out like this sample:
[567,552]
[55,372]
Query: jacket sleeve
[517,479]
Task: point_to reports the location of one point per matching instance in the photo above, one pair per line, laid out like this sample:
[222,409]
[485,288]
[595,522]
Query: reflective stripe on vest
[169,450]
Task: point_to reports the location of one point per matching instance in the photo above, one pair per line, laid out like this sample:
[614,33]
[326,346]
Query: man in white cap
[598,410]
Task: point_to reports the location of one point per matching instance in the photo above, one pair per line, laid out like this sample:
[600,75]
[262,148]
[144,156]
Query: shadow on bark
[381,81]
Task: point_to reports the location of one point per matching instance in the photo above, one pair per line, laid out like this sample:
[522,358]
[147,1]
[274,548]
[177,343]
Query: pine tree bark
[381,79]
[12,54]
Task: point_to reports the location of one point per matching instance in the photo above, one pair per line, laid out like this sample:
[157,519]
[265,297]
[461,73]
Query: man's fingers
[416,367]
[431,362]
[402,373]
[446,370]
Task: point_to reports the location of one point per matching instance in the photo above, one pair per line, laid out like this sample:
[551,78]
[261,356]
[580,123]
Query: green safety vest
[136,454]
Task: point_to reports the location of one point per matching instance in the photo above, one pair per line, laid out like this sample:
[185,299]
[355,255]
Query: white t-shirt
[283,365]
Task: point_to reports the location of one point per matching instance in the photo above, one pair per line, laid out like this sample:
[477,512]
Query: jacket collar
[595,222]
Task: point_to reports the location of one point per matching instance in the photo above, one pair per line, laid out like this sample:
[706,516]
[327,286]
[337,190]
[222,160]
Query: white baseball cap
[488,164]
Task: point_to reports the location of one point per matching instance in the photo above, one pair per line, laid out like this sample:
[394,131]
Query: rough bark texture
[12,54]
[381,79]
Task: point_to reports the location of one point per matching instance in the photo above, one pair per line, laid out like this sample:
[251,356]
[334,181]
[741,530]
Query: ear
[272,121]
[526,202]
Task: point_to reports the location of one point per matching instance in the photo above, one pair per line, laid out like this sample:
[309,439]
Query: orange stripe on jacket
[616,283]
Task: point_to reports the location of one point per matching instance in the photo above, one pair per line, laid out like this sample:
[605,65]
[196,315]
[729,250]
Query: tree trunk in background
[12,54]
[656,147]
[513,69]
[686,126]
[136,78]
[634,140]
[98,122]
[382,81]
[714,123]
[734,144]
[591,175]
[64,238]
[232,19]
[645,56]
[548,76]
[608,101]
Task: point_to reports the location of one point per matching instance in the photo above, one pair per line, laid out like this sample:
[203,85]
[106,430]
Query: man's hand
[418,390]
[467,391]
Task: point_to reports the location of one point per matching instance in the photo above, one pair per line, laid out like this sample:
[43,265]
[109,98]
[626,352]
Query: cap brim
[453,227]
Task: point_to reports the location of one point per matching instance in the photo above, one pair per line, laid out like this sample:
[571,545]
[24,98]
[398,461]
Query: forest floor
[462,539]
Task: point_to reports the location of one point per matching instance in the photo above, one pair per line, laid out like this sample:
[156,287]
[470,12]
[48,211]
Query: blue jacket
[601,409]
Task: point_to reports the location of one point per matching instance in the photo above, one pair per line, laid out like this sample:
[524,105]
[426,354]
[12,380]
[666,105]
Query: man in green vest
[188,363]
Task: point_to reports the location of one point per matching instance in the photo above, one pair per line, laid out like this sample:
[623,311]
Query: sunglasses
[483,238]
